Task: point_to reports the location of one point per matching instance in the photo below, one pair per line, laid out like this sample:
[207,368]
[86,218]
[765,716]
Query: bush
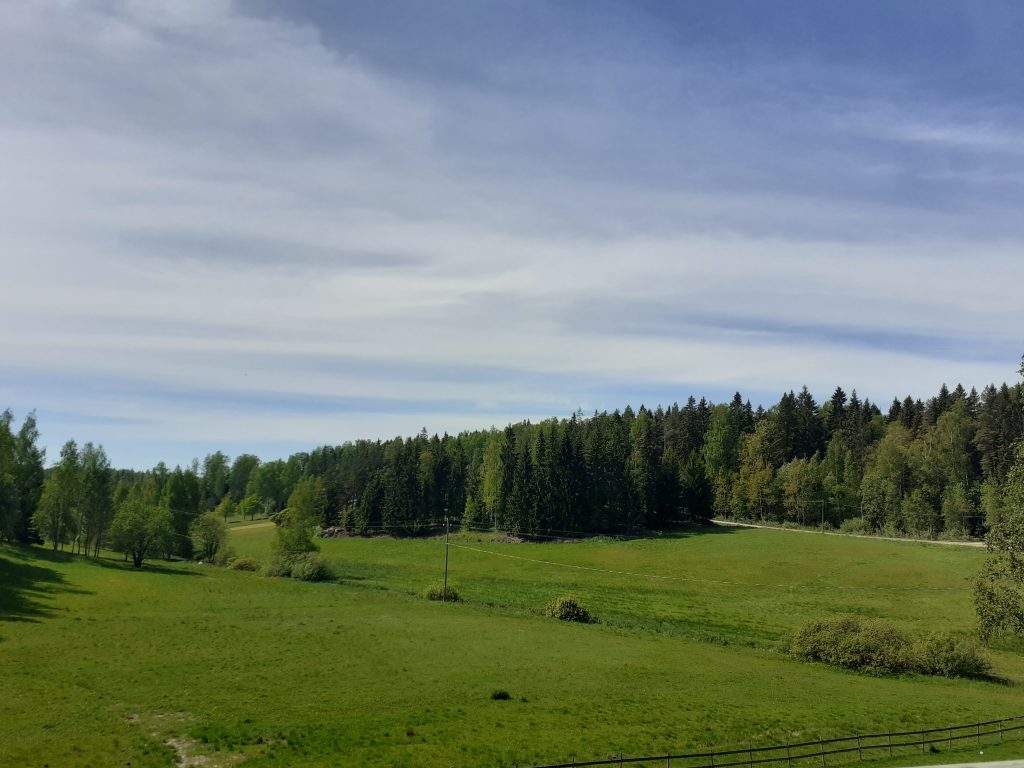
[950,656]
[855,525]
[224,556]
[568,609]
[244,564]
[501,696]
[278,566]
[877,647]
[311,567]
[437,592]
[872,646]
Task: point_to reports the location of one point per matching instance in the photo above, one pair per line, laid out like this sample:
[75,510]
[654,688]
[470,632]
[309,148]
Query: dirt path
[733,523]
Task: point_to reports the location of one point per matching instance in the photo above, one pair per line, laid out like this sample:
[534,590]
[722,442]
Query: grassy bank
[102,665]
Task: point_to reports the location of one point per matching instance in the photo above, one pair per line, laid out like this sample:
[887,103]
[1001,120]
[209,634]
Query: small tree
[208,534]
[249,506]
[999,588]
[297,522]
[225,509]
[57,512]
[139,529]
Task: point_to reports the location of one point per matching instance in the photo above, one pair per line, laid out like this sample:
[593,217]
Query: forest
[934,468]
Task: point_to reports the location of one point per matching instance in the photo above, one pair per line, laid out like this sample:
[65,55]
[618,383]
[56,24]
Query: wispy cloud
[271,225]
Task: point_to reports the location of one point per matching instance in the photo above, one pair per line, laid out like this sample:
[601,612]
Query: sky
[270,225]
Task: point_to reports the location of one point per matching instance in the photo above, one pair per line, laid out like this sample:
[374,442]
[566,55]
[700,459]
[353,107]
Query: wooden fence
[821,749]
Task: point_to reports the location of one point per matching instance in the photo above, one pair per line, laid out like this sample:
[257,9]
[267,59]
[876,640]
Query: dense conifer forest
[932,468]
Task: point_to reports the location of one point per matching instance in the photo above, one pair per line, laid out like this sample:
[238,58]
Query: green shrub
[568,609]
[877,646]
[872,646]
[224,556]
[278,566]
[855,525]
[311,567]
[244,564]
[437,592]
[950,656]
[501,696]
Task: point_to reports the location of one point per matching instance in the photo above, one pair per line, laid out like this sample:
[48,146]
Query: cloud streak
[274,225]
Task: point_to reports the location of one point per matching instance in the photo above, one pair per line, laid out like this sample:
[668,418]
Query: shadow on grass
[26,586]
[149,566]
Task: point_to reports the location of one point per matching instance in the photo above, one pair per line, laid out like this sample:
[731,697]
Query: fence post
[750,754]
[821,748]
[979,734]
[789,760]
[890,744]
[668,761]
[860,753]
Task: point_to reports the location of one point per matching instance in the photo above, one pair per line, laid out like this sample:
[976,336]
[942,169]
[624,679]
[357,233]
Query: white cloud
[209,203]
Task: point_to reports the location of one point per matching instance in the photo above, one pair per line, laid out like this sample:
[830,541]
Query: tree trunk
[137,559]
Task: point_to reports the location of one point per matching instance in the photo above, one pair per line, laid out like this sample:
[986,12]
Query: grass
[102,665]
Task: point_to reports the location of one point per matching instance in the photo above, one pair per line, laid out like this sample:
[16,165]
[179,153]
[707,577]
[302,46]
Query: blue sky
[263,226]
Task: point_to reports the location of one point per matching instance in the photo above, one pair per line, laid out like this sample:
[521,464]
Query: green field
[102,665]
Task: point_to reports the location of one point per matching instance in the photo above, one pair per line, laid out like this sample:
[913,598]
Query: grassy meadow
[106,666]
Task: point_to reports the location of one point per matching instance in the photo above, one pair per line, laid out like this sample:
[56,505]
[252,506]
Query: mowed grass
[102,665]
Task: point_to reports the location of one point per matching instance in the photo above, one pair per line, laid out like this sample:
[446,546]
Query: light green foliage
[872,645]
[141,530]
[438,591]
[999,588]
[855,526]
[754,492]
[225,509]
[311,566]
[887,478]
[722,443]
[919,514]
[249,507]
[96,509]
[208,533]
[57,513]
[957,510]
[568,609]
[992,505]
[950,655]
[877,646]
[492,474]
[800,483]
[297,522]
[267,483]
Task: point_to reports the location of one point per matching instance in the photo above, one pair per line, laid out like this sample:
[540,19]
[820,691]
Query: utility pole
[444,594]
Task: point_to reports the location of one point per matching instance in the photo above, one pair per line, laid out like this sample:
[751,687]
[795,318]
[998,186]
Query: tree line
[934,467]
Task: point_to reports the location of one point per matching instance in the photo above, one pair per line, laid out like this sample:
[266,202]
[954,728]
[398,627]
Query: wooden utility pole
[444,594]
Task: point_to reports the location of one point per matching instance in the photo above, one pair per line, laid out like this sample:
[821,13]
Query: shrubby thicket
[879,647]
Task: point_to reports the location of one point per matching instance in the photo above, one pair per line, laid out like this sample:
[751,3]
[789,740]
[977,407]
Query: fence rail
[816,750]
